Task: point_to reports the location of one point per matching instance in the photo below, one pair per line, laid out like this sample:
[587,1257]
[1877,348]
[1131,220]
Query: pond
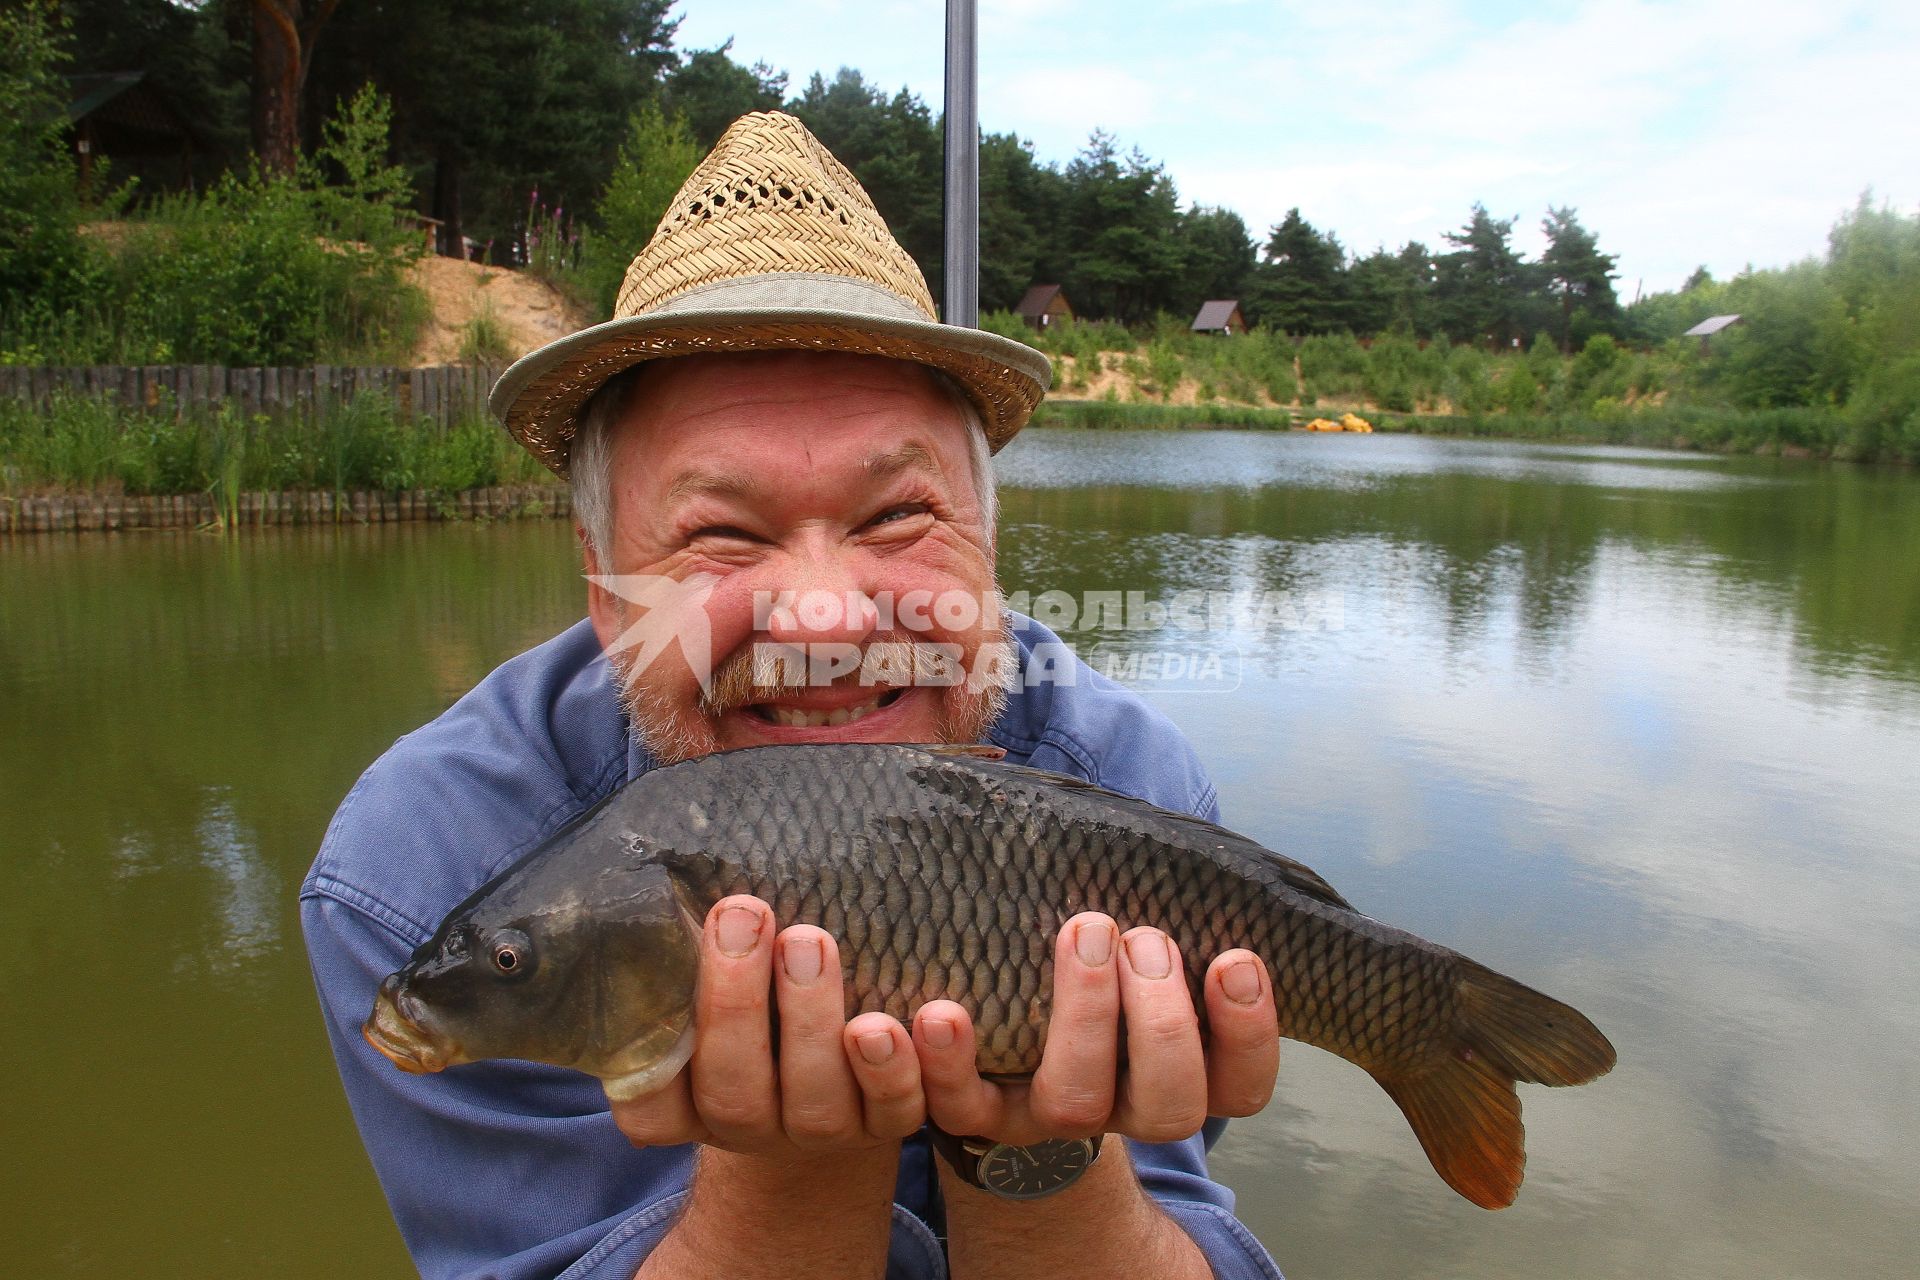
[1637,728]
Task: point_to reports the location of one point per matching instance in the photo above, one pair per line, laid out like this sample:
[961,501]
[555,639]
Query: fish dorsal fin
[964,750]
[1297,876]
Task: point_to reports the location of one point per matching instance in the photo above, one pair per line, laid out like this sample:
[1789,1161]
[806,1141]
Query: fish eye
[511,952]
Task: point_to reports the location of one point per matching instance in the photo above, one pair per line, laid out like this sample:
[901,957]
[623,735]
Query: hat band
[793,291]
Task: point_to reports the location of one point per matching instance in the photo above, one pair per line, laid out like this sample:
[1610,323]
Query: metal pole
[962,286]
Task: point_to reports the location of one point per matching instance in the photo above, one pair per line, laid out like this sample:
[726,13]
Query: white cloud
[1075,100]
[1716,131]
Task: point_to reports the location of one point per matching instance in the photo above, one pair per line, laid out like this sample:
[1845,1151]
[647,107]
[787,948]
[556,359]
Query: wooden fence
[83,513]
[441,394]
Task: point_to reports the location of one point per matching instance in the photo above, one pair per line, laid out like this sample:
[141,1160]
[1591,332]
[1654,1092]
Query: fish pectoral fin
[627,1086]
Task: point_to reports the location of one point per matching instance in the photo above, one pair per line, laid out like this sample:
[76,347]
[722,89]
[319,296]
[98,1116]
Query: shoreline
[1754,433]
[1816,435]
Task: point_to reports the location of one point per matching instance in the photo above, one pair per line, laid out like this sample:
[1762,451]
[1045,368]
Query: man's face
[816,495]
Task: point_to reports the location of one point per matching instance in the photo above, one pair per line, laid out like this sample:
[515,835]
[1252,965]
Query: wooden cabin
[119,115]
[1044,306]
[1222,316]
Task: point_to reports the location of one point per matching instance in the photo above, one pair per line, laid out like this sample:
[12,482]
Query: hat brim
[540,395]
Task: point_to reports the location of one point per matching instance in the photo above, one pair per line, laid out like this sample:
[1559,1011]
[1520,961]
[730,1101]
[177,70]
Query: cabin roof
[1036,300]
[1711,325]
[1216,314]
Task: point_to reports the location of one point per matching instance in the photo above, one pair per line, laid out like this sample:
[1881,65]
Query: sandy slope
[530,311]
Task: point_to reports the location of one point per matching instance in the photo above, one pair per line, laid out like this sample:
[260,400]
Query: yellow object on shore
[1348,422]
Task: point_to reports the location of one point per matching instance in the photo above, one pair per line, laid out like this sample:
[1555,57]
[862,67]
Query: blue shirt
[511,1169]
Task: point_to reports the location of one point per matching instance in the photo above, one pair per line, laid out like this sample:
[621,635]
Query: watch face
[1027,1173]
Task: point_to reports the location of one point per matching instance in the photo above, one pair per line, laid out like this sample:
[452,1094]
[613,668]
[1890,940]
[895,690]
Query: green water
[1638,728]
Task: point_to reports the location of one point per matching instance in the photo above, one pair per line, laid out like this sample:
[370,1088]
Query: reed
[78,443]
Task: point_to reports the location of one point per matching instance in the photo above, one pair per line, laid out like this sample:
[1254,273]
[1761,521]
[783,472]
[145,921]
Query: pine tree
[1482,286]
[1302,285]
[1580,276]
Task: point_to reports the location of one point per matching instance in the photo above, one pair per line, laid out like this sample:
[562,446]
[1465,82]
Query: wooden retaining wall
[80,513]
[440,394]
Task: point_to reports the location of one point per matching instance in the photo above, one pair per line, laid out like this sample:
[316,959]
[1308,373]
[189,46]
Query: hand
[837,1085]
[1171,1082]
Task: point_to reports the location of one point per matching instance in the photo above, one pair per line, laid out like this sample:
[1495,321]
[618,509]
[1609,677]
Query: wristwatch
[1016,1173]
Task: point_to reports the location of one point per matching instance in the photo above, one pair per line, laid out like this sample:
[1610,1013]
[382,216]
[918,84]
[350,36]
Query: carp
[945,873]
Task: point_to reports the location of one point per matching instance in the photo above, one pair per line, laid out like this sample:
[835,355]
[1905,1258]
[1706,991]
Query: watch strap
[967,1155]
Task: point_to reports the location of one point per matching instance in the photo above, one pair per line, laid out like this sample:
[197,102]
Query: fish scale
[945,873]
[1025,885]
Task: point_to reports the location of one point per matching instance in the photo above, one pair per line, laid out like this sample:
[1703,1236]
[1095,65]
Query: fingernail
[1150,954]
[802,958]
[1241,982]
[738,930]
[877,1046]
[937,1032]
[1094,942]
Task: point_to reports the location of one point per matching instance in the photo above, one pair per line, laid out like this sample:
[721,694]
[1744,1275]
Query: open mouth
[799,717]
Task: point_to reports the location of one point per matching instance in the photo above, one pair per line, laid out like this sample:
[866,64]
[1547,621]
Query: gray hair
[590,459]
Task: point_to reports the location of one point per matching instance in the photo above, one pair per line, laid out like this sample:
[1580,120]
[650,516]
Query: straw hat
[770,245]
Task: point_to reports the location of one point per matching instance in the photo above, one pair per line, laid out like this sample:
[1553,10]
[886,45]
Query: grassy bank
[1108,415]
[1807,432]
[87,445]
[1676,391]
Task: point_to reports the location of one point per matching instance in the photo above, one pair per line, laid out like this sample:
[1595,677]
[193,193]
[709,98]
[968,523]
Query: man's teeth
[794,718]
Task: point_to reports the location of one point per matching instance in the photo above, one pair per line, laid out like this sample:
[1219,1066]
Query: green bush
[1517,392]
[1336,364]
[1884,415]
[42,256]
[483,338]
[256,270]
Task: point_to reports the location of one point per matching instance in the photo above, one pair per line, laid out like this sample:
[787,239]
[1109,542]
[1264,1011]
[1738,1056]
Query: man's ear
[603,607]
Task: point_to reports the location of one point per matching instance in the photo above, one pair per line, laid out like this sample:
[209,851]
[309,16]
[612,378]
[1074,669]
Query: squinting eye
[892,514]
[730,533]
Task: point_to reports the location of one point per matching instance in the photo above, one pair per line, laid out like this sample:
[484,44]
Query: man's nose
[824,600]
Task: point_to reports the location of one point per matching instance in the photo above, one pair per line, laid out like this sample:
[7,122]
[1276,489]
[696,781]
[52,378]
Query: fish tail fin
[1465,1110]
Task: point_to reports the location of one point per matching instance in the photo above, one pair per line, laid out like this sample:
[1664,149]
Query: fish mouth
[400,1038]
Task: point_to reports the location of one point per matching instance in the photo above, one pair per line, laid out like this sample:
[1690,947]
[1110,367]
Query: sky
[1723,133]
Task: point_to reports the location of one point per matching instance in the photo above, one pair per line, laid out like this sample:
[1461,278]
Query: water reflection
[1823,547]
[249,894]
[1640,732]
[1637,728]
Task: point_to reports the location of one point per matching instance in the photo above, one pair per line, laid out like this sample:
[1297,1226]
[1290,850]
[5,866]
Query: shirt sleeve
[1175,1175]
[499,1170]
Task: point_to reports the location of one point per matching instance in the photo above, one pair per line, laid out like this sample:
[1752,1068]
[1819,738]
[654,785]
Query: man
[775,448]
